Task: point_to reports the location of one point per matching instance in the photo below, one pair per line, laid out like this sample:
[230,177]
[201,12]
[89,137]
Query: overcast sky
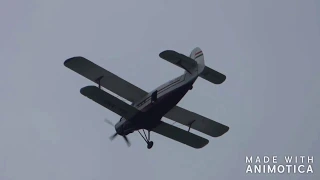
[269,51]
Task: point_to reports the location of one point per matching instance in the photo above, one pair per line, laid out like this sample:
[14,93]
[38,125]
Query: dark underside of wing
[180,135]
[108,101]
[107,79]
[197,122]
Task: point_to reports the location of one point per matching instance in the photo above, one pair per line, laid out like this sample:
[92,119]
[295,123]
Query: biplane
[148,108]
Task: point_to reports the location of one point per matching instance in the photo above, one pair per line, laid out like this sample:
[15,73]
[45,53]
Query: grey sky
[269,51]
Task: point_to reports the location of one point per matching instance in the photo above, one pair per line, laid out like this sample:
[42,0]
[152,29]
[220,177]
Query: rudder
[197,55]
[205,72]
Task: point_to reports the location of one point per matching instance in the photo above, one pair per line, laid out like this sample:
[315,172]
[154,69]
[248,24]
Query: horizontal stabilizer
[105,78]
[178,59]
[212,76]
[196,121]
[110,102]
[180,135]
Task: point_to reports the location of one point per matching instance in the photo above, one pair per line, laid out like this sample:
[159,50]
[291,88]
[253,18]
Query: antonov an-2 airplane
[147,109]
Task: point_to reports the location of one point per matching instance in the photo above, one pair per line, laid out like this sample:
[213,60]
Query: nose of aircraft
[119,131]
[118,128]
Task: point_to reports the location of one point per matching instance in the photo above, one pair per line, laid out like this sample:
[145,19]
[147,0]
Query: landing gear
[190,87]
[146,139]
[150,144]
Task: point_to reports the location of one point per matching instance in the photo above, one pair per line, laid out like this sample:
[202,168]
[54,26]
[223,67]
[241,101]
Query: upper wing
[108,101]
[212,76]
[178,59]
[197,121]
[180,135]
[110,81]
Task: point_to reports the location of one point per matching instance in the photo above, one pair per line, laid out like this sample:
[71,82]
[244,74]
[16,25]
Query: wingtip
[222,130]
[85,89]
[223,79]
[226,129]
[206,142]
[165,53]
[66,62]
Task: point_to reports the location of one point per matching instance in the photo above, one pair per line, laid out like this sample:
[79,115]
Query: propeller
[127,141]
[109,122]
[116,134]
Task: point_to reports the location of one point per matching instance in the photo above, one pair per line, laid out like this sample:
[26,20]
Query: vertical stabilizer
[193,65]
[197,55]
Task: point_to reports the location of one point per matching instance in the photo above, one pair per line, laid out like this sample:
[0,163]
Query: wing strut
[190,124]
[98,80]
[146,138]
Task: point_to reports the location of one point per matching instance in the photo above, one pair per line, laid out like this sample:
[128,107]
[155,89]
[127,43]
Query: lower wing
[110,102]
[196,121]
[180,135]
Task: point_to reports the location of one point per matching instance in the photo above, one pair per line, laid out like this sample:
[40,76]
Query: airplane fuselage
[168,95]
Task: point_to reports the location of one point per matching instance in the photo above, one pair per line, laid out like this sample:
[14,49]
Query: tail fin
[206,72]
[194,65]
[197,55]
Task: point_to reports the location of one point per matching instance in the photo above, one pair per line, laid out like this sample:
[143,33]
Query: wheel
[150,144]
[190,87]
